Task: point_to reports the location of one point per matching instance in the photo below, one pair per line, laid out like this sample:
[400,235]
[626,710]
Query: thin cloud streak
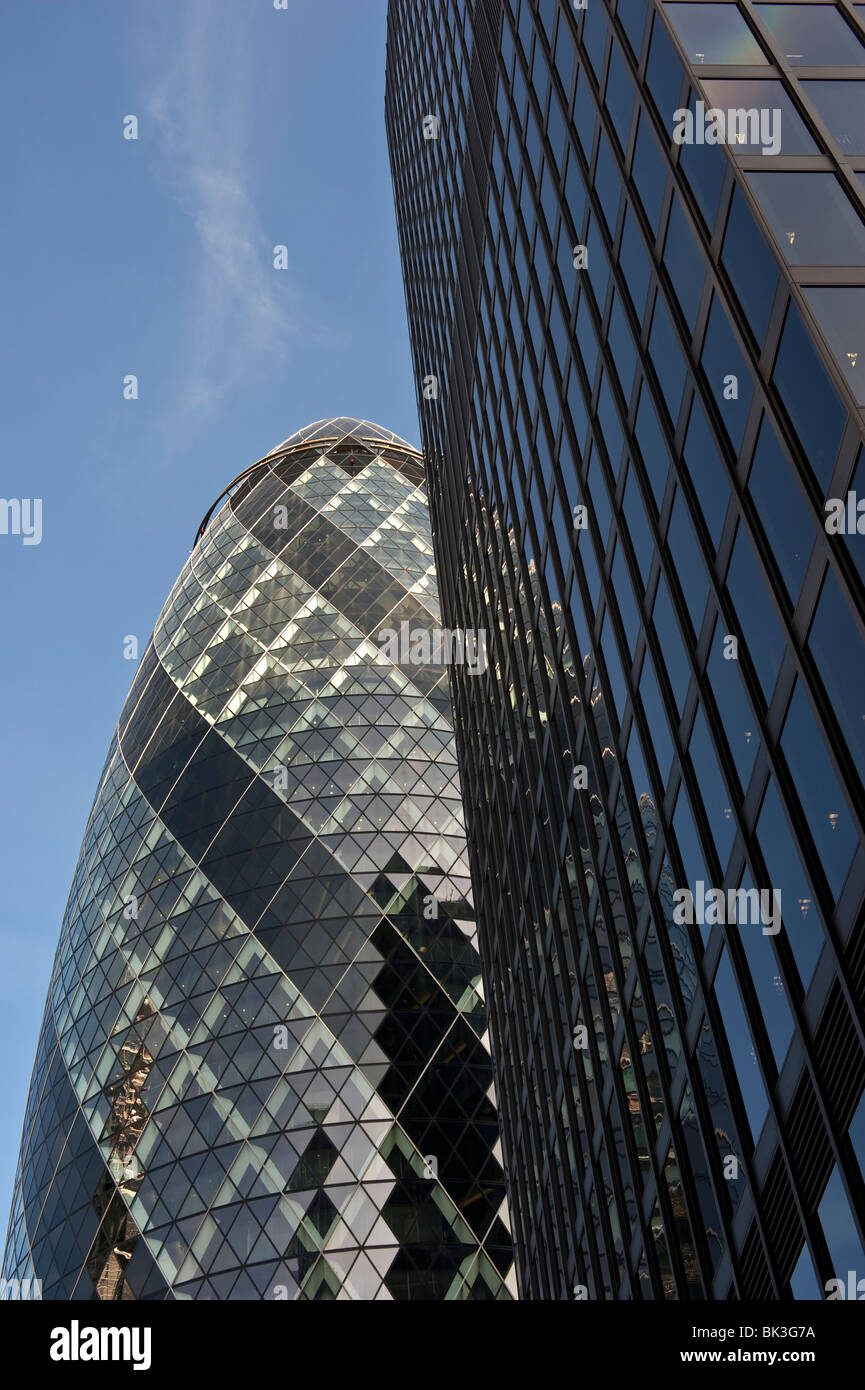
[243,316]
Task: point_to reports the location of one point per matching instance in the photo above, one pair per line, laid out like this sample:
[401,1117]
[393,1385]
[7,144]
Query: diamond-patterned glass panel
[263,1070]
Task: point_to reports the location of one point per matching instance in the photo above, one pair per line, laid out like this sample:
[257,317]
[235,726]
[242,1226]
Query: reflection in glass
[684,1239]
[823,802]
[750,265]
[840,312]
[727,372]
[741,1044]
[811,217]
[839,1228]
[281,805]
[705,167]
[707,472]
[693,1132]
[802,924]
[782,511]
[688,561]
[812,35]
[842,106]
[768,981]
[740,727]
[713,790]
[714,34]
[649,171]
[840,653]
[808,396]
[761,93]
[662,745]
[684,262]
[723,1124]
[764,637]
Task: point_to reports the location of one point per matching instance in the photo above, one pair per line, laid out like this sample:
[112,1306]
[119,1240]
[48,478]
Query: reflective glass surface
[707,472]
[696,423]
[812,35]
[753,93]
[842,106]
[714,33]
[764,636]
[782,511]
[840,655]
[740,726]
[839,1228]
[684,262]
[800,918]
[705,167]
[808,395]
[825,806]
[742,1047]
[727,373]
[750,265]
[813,220]
[263,1070]
[840,313]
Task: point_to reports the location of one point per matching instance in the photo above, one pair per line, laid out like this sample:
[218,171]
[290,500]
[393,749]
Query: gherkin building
[263,1070]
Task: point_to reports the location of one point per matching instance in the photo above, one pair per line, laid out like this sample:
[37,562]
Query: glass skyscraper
[263,1070]
[639,342]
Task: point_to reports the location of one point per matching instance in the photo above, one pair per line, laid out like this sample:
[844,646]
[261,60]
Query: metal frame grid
[556,387]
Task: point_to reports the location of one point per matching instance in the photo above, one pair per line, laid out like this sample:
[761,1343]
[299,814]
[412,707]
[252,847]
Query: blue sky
[257,127]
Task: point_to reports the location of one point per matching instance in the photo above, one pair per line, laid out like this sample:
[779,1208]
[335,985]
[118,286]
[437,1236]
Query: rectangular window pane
[776,116]
[823,801]
[812,219]
[760,625]
[842,107]
[783,513]
[841,315]
[812,35]
[714,34]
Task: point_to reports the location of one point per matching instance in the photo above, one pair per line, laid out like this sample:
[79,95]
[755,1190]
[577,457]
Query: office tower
[262,1071]
[640,364]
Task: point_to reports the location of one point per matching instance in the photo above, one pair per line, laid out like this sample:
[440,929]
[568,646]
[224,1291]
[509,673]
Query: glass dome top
[341,430]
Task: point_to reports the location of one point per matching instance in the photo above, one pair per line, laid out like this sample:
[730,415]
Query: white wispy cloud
[241,315]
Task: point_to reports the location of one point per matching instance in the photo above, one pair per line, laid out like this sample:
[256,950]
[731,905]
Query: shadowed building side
[640,386]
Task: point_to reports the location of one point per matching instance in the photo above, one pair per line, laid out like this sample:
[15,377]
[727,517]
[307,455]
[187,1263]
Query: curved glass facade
[263,1068]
